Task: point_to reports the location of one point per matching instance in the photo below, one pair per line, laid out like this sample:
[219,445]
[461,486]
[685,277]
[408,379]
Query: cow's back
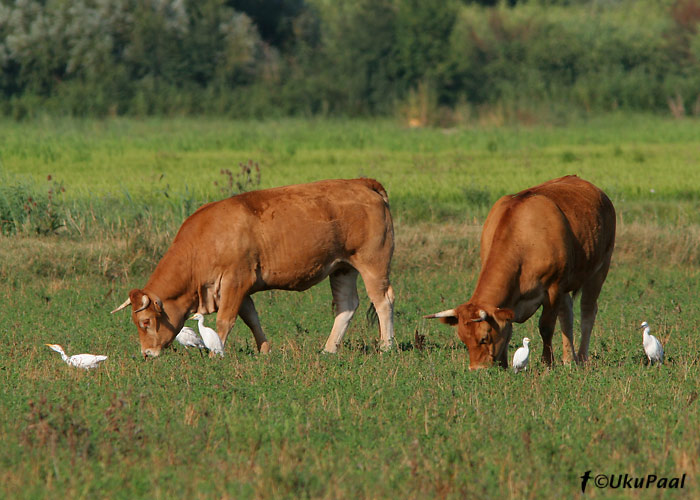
[565,225]
[290,234]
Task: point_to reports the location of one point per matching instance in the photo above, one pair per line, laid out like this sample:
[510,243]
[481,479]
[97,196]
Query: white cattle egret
[521,356]
[211,339]
[652,346]
[189,338]
[84,361]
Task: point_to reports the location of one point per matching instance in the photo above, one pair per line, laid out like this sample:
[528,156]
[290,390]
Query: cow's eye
[484,339]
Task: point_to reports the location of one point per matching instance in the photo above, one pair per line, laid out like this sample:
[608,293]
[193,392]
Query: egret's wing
[659,349]
[218,346]
[520,358]
[187,339]
[212,340]
[520,355]
[86,360]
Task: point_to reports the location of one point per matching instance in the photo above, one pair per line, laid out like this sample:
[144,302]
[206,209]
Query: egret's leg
[250,317]
[566,321]
[345,302]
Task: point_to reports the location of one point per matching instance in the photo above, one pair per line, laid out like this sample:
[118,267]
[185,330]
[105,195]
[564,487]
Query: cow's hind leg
[548,321]
[589,310]
[566,321]
[345,302]
[382,296]
[589,307]
[250,317]
[227,314]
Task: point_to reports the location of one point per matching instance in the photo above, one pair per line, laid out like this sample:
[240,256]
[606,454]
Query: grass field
[413,423]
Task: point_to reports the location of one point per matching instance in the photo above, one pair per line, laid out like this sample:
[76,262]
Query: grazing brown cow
[537,246]
[287,238]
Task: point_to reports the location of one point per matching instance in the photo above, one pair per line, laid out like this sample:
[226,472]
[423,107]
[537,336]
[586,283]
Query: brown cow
[537,246]
[287,238]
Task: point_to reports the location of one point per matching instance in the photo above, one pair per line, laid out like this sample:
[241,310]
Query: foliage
[310,57]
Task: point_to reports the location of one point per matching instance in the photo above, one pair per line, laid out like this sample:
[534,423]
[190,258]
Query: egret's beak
[191,317]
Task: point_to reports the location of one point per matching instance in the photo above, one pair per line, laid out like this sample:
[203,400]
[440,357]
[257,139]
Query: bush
[347,57]
[24,208]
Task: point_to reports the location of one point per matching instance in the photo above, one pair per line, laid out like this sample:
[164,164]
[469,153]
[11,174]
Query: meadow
[412,423]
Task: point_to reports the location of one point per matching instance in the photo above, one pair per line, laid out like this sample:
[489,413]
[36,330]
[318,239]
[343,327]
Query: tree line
[426,60]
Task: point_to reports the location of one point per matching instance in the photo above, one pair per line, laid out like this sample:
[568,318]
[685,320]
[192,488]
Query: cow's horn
[144,303]
[442,314]
[126,303]
[482,316]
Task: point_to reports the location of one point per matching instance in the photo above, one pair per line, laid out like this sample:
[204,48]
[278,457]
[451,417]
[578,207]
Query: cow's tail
[376,187]
[371,315]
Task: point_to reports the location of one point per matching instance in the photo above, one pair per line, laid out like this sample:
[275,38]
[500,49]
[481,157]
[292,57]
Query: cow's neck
[497,285]
[173,285]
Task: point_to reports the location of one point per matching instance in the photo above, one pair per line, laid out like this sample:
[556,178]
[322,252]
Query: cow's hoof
[265,347]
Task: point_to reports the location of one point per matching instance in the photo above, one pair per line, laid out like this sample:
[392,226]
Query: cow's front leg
[250,317]
[506,334]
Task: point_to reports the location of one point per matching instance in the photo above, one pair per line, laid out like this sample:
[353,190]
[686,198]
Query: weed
[569,157]
[247,178]
[23,208]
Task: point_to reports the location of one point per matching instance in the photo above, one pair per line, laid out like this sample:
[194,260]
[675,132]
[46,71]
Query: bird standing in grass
[652,346]
[521,356]
[189,338]
[211,339]
[84,361]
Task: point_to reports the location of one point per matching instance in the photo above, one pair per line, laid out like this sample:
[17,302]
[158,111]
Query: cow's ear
[503,315]
[450,320]
[448,317]
[136,297]
[157,304]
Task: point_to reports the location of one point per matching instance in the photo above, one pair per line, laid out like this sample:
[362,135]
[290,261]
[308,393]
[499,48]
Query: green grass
[430,174]
[414,423]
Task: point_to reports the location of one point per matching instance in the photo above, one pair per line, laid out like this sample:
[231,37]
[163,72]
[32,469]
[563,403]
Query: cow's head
[485,331]
[154,327]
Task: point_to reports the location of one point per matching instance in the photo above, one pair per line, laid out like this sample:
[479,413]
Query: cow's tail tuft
[376,187]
